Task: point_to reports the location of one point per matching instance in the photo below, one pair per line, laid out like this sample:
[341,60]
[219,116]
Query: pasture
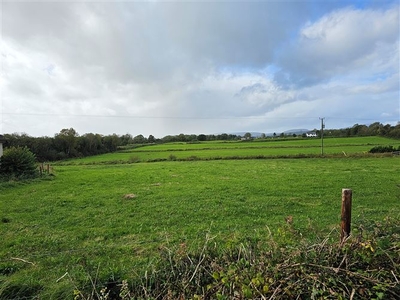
[109,218]
[270,148]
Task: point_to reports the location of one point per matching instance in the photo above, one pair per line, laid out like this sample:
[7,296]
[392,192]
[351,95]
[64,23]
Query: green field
[241,149]
[81,222]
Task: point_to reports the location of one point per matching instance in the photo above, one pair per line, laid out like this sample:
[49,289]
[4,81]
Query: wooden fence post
[346,214]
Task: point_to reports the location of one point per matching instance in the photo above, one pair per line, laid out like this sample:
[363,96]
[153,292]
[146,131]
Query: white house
[2,140]
[311,134]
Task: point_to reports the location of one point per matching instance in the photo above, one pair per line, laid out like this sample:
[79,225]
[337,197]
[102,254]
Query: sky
[197,67]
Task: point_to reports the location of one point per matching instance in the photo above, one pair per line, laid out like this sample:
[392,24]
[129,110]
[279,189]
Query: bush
[383,149]
[18,162]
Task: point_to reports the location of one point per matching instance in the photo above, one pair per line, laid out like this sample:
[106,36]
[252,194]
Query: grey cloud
[189,40]
[251,89]
[25,88]
[191,65]
[153,41]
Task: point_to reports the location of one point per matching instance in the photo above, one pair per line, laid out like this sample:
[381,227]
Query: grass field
[240,149]
[80,221]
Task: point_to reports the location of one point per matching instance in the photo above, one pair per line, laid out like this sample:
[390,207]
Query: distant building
[311,134]
[2,140]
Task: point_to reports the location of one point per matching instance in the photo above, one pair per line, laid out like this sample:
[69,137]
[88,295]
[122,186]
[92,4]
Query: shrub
[383,149]
[18,162]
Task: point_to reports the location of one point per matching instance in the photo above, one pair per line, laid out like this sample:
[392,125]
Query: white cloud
[341,43]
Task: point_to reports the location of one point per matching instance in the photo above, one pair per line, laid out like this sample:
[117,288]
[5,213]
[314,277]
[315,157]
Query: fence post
[346,214]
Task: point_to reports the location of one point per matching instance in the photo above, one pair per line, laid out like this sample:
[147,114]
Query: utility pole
[322,135]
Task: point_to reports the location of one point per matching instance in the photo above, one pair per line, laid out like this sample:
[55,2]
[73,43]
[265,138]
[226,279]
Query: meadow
[106,218]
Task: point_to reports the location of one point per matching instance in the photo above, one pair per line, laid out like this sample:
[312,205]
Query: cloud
[194,67]
[340,43]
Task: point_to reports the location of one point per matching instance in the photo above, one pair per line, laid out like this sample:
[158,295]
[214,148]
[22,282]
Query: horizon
[237,133]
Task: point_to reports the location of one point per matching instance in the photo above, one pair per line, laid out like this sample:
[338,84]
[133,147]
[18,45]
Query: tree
[90,144]
[358,130]
[126,139]
[111,142]
[181,137]
[66,141]
[247,136]
[169,139]
[191,138]
[202,137]
[375,128]
[223,136]
[18,162]
[43,148]
[151,139]
[139,139]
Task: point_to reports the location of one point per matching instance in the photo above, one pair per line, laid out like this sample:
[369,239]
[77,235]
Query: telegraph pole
[322,135]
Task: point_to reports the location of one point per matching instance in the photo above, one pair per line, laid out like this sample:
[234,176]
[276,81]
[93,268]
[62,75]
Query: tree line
[69,144]
[375,129]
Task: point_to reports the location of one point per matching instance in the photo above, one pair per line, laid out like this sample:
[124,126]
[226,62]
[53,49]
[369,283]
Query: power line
[186,118]
[150,117]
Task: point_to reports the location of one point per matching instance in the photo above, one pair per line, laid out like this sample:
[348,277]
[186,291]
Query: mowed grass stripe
[271,143]
[221,150]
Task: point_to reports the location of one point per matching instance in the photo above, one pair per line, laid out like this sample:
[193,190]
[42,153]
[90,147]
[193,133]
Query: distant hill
[296,131]
[287,132]
[253,134]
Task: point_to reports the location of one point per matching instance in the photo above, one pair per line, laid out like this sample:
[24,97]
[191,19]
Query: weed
[134,159]
[172,157]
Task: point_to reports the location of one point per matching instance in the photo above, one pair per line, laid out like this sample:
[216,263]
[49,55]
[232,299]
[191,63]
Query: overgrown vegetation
[282,265]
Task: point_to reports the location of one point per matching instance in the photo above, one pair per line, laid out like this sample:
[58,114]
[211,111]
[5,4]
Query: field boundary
[134,159]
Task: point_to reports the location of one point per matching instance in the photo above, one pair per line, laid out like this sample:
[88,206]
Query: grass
[238,149]
[80,223]
[281,266]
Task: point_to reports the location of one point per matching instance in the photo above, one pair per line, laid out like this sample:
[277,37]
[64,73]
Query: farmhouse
[2,140]
[311,134]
